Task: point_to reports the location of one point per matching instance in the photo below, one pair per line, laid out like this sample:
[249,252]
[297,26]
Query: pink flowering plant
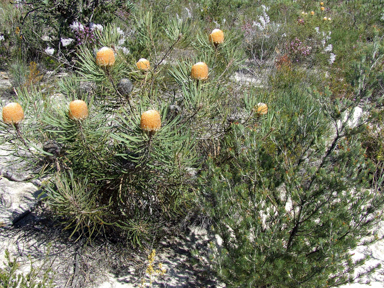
[297,50]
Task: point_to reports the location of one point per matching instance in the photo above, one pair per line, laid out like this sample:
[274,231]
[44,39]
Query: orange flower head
[261,108]
[322,3]
[322,8]
[78,110]
[199,71]
[13,113]
[150,121]
[312,13]
[143,65]
[105,57]
[216,37]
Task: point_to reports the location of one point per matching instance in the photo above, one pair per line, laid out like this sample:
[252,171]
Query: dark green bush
[290,200]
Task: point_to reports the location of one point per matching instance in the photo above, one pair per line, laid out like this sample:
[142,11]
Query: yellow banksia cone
[261,108]
[216,37]
[150,121]
[105,57]
[13,113]
[143,64]
[199,71]
[78,110]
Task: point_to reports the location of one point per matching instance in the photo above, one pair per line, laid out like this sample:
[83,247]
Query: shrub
[289,203]
[10,276]
[63,24]
[286,184]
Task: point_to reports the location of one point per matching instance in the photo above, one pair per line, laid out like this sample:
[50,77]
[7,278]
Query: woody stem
[117,91]
[16,125]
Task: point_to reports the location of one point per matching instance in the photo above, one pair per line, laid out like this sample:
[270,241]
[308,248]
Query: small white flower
[328,48]
[49,50]
[123,49]
[317,30]
[75,26]
[262,20]
[265,8]
[121,41]
[332,58]
[94,26]
[266,17]
[66,41]
[121,32]
[284,35]
[179,20]
[2,37]
[189,12]
[258,25]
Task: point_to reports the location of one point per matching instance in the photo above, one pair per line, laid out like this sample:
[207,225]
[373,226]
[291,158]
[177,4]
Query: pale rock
[16,199]
[247,79]
[5,84]
[353,120]
[219,240]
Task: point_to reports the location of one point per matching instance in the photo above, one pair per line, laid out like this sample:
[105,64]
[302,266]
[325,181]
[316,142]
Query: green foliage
[50,21]
[76,202]
[290,192]
[11,277]
[288,200]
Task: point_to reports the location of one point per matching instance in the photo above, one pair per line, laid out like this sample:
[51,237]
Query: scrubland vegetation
[278,150]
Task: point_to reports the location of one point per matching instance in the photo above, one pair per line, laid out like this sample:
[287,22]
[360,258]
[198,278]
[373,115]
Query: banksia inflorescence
[78,110]
[125,87]
[199,71]
[150,121]
[143,65]
[13,113]
[216,37]
[261,108]
[105,57]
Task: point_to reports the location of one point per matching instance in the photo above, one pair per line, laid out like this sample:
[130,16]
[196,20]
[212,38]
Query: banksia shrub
[105,57]
[150,121]
[13,113]
[216,37]
[143,65]
[199,71]
[78,110]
